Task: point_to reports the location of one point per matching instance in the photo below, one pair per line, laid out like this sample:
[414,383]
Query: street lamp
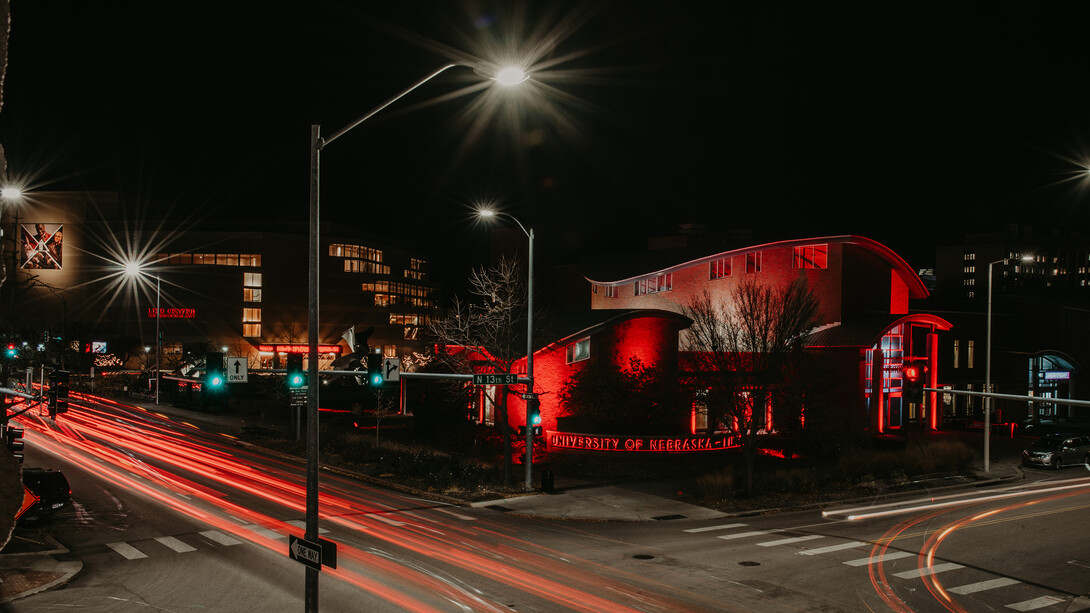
[988,365]
[132,270]
[531,399]
[504,76]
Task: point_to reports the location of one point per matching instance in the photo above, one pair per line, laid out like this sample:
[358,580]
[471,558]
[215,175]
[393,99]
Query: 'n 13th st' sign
[643,444]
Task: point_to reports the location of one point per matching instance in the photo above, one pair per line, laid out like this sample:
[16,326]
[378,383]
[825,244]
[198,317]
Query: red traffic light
[912,373]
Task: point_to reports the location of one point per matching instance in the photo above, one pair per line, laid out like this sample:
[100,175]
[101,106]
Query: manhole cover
[643,556]
[748,563]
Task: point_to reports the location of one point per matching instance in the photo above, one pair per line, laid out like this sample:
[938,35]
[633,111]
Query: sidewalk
[28,572]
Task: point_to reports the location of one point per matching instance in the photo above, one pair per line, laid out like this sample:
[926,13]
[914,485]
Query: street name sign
[237,370]
[310,554]
[501,378]
[297,396]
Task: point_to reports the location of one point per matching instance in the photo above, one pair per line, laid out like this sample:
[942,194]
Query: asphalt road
[170,518]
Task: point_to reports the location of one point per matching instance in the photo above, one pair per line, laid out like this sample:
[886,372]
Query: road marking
[392,522]
[990,584]
[882,557]
[745,534]
[458,515]
[265,532]
[797,539]
[1036,603]
[710,528]
[175,544]
[127,551]
[302,525]
[917,573]
[221,538]
[831,548]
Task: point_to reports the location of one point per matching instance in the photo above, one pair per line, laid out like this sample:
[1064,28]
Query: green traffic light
[296,380]
[215,381]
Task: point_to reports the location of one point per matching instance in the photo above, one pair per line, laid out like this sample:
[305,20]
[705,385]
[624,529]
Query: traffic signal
[214,376]
[296,378]
[913,383]
[533,414]
[375,377]
[58,390]
[11,353]
[13,438]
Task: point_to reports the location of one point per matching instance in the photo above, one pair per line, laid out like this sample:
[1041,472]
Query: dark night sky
[906,123]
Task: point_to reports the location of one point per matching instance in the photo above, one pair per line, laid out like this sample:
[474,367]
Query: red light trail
[200,476]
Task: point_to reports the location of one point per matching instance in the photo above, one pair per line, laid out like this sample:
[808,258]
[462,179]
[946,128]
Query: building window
[578,351]
[810,256]
[969,357]
[251,287]
[416,269]
[611,291]
[251,330]
[720,268]
[753,262]
[957,352]
[969,257]
[251,322]
[654,285]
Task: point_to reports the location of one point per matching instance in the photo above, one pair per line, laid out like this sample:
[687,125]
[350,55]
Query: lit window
[957,352]
[251,315]
[250,294]
[251,287]
[969,358]
[661,283]
[809,256]
[578,351]
[251,330]
[753,262]
[720,268]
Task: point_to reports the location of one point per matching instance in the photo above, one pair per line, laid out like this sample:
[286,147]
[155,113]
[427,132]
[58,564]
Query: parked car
[52,489]
[1057,451]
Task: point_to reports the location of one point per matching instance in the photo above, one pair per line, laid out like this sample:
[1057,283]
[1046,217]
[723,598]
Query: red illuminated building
[865,334]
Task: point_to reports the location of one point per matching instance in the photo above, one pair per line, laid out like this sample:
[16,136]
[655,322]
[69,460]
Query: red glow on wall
[298,348]
[640,444]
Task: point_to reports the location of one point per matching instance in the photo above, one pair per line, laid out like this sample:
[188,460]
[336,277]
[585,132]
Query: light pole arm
[322,142]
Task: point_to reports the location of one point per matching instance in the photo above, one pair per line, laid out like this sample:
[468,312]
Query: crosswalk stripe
[392,522]
[265,532]
[831,548]
[917,573]
[710,528]
[302,525]
[739,535]
[221,538]
[882,557]
[127,551]
[1036,603]
[797,539]
[175,544]
[458,515]
[990,584]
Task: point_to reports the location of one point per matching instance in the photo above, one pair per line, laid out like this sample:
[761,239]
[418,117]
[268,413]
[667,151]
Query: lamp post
[532,398]
[9,194]
[988,366]
[132,270]
[506,76]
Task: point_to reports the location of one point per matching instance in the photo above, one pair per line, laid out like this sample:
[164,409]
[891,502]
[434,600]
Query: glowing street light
[531,398]
[988,365]
[505,77]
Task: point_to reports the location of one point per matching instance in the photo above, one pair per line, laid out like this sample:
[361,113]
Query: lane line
[917,573]
[882,557]
[127,551]
[831,548]
[710,528]
[458,515]
[221,538]
[990,584]
[175,544]
[797,539]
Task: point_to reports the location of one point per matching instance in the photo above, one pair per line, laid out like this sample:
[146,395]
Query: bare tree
[744,350]
[489,327]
